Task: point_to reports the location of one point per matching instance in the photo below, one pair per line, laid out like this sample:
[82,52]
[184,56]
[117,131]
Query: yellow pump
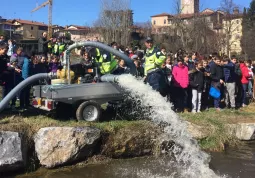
[62,77]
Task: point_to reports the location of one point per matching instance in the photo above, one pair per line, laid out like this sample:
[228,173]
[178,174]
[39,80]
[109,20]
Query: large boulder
[135,140]
[197,132]
[13,151]
[243,131]
[57,146]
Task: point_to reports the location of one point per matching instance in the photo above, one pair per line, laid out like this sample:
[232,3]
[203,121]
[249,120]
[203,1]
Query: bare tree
[115,20]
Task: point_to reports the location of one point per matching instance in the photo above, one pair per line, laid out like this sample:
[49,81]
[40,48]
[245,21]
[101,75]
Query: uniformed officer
[154,75]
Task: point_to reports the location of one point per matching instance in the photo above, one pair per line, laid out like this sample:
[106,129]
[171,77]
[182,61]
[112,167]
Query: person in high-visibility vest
[154,76]
[105,61]
[59,48]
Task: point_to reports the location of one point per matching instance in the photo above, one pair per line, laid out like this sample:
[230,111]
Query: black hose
[21,86]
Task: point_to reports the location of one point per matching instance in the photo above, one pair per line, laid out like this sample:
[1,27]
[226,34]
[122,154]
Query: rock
[132,141]
[13,151]
[57,146]
[196,131]
[244,131]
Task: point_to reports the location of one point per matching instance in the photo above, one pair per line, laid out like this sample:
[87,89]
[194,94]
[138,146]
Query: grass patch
[216,123]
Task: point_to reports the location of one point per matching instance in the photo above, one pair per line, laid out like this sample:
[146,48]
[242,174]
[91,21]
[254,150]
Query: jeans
[217,103]
[196,100]
[230,94]
[250,86]
[245,86]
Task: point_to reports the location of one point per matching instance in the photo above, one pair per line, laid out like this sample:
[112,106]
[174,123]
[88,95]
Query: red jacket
[245,74]
[180,76]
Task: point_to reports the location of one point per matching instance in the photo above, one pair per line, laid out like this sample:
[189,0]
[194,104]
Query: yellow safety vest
[153,59]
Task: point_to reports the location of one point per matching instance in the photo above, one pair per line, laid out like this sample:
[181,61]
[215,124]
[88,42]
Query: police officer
[154,75]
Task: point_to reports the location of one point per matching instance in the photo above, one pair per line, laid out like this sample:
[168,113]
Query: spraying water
[193,161]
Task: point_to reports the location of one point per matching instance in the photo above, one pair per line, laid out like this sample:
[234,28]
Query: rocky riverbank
[29,142]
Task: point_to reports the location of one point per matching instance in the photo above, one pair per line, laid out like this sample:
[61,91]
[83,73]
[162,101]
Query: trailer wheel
[89,111]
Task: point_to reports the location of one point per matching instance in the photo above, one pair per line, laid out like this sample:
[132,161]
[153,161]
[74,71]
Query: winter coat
[53,67]
[229,73]
[245,74]
[207,79]
[180,76]
[3,63]
[216,73]
[43,45]
[26,68]
[196,80]
[190,65]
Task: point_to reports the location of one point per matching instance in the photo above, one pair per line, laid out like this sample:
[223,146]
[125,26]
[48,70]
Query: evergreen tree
[248,37]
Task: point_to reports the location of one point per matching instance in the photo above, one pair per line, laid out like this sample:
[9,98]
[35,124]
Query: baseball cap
[149,39]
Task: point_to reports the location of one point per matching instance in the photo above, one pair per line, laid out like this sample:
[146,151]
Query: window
[154,22]
[32,28]
[237,21]
[164,21]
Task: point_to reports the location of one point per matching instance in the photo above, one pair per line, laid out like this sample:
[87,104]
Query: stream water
[187,160]
[234,163]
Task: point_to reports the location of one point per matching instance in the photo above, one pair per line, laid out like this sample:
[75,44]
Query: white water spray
[194,162]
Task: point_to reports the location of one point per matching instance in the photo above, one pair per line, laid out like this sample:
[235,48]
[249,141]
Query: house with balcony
[227,25]
[29,30]
[6,26]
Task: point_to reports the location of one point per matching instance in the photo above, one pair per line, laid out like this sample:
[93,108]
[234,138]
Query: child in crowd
[169,67]
[180,83]
[54,64]
[250,84]
[245,80]
[217,80]
[26,72]
[207,82]
[196,81]
[122,68]
[16,77]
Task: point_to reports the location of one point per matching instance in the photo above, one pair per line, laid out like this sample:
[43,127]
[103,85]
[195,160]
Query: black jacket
[216,73]
[6,73]
[43,45]
[196,80]
[3,63]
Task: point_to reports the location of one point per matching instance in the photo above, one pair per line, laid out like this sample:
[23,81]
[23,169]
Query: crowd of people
[191,81]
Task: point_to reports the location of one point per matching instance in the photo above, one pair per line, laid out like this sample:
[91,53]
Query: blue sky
[85,12]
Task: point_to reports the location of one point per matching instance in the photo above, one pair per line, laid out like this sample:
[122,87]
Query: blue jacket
[190,65]
[229,72]
[26,68]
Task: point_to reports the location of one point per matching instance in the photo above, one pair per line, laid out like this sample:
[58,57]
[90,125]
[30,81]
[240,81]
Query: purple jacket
[53,67]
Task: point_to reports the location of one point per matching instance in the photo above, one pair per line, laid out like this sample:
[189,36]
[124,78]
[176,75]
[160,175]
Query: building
[226,26]
[58,31]
[233,30]
[6,27]
[161,20]
[82,33]
[29,30]
[189,6]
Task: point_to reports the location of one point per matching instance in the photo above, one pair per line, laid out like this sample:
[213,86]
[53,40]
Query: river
[235,162]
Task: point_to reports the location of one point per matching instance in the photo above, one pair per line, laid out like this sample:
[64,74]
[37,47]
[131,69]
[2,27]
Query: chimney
[236,11]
